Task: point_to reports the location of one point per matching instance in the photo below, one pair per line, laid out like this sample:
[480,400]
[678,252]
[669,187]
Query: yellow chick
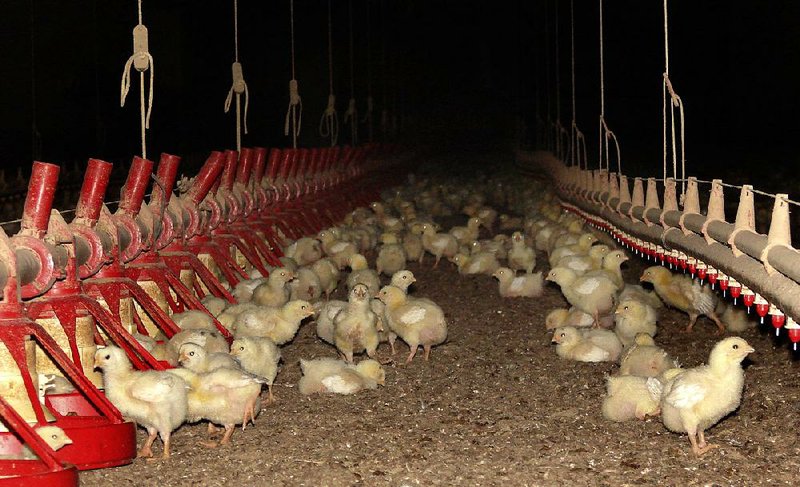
[487,215]
[412,244]
[469,233]
[274,292]
[362,274]
[403,279]
[627,398]
[582,247]
[210,340]
[679,291]
[306,285]
[195,358]
[495,247]
[193,320]
[55,437]
[229,315]
[328,274]
[521,257]
[304,251]
[611,268]
[638,293]
[417,322]
[438,244]
[224,396]
[541,240]
[391,257]
[327,375]
[596,296]
[355,326]
[214,305]
[337,250]
[478,263]
[258,356]
[581,264]
[278,324]
[644,359]
[736,320]
[243,291]
[571,344]
[155,400]
[324,314]
[573,317]
[633,317]
[513,286]
[698,398]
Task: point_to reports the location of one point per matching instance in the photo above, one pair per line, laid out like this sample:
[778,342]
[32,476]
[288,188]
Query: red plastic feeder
[735,289]
[748,298]
[778,319]
[793,330]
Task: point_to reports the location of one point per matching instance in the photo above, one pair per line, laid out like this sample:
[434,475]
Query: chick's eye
[736,347]
[303,307]
[54,437]
[625,308]
[108,357]
[191,354]
[241,349]
[563,335]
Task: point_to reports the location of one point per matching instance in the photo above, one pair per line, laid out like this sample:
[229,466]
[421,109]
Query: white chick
[304,251]
[362,274]
[403,279]
[210,340]
[258,356]
[355,326]
[596,296]
[228,316]
[391,257]
[194,320]
[524,286]
[155,400]
[633,317]
[581,264]
[274,292]
[306,285]
[324,314]
[644,359]
[417,322]
[55,437]
[571,344]
[585,242]
[328,274]
[611,268]
[412,244]
[438,244]
[243,291]
[195,358]
[573,317]
[697,398]
[627,398]
[337,250]
[521,257]
[214,305]
[477,263]
[278,324]
[469,233]
[335,376]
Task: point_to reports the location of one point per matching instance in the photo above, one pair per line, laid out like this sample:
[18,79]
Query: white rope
[294,114]
[142,60]
[605,133]
[674,102]
[351,115]
[238,86]
[329,122]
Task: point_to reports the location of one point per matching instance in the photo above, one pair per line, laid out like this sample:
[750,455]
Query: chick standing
[274,292]
[521,256]
[633,317]
[679,291]
[155,400]
[438,244]
[278,324]
[417,322]
[362,274]
[596,296]
[696,399]
[355,325]
[258,356]
[513,286]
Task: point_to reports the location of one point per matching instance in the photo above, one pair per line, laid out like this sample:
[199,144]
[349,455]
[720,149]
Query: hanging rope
[351,115]
[294,114]
[605,133]
[370,104]
[239,86]
[142,60]
[674,102]
[385,76]
[329,123]
[576,136]
[558,126]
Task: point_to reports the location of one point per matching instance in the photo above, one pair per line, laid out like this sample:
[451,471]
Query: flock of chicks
[222,385]
[649,382]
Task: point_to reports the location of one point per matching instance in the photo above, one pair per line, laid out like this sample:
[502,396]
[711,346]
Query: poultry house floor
[494,406]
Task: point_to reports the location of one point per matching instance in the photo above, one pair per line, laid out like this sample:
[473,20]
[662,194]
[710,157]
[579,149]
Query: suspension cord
[329,123]
[674,102]
[239,86]
[294,113]
[351,115]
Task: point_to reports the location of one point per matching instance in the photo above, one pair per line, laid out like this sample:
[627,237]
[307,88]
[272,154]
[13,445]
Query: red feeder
[762,307]
[793,330]
[723,281]
[748,298]
[691,264]
[778,319]
[735,288]
[712,275]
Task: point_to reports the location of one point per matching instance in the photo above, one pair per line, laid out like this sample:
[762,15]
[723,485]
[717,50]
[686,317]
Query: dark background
[461,74]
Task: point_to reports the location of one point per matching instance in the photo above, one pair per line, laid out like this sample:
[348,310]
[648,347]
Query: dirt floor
[494,406]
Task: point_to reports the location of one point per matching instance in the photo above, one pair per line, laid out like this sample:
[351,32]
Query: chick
[214,305]
[627,398]
[355,326]
[306,285]
[210,340]
[195,358]
[524,286]
[638,293]
[521,257]
[573,317]
[194,320]
[155,400]
[391,257]
[477,263]
[224,396]
[274,292]
[698,398]
[417,322]
[736,320]
[611,268]
[362,274]
[304,251]
[403,279]
[258,356]
[278,324]
[600,346]
[324,315]
[243,291]
[328,274]
[229,315]
[412,244]
[581,264]
[337,250]
[55,437]
[466,235]
[644,359]
[679,291]
[582,247]
[508,222]
[438,244]
[633,317]
[335,376]
[596,296]
[496,247]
